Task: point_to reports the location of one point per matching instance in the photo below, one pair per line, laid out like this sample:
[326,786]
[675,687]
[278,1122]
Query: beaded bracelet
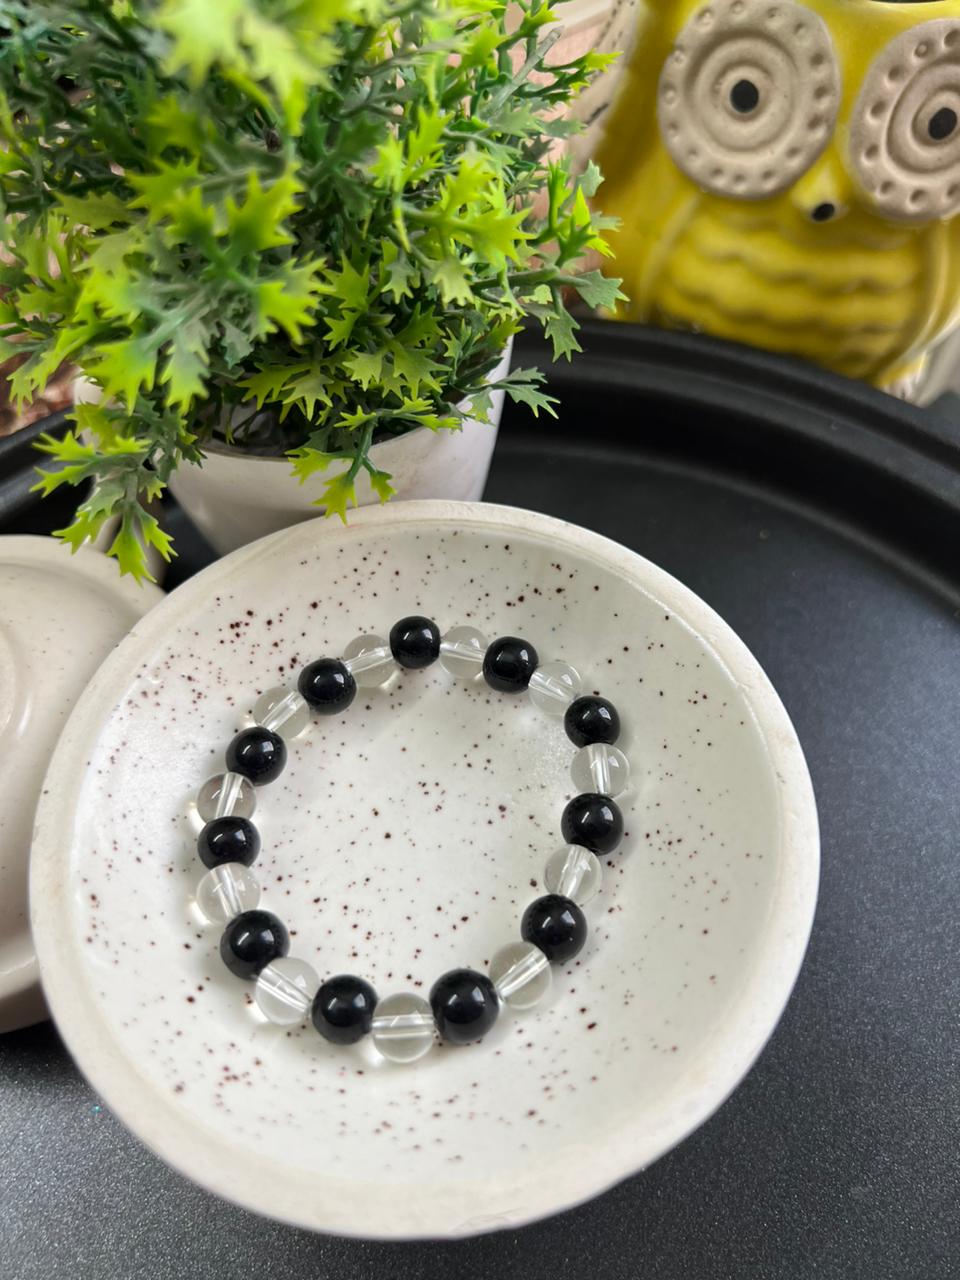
[463,1004]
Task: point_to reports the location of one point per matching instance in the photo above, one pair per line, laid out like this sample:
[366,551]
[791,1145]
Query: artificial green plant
[299,226]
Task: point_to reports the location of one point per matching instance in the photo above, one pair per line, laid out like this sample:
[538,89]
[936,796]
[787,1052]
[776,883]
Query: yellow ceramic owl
[787,174]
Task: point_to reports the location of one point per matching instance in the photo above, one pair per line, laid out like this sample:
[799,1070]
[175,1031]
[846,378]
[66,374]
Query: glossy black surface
[465,1005]
[556,925]
[509,663]
[258,754]
[591,719]
[593,821]
[327,685]
[822,521]
[251,941]
[229,839]
[415,642]
[343,1009]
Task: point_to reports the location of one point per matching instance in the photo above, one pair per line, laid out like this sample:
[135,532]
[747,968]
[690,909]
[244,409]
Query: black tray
[821,520]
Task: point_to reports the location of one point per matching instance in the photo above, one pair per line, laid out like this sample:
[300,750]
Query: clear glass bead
[285,989]
[600,767]
[461,652]
[521,974]
[370,661]
[573,872]
[283,711]
[402,1029]
[226,891]
[226,795]
[554,686]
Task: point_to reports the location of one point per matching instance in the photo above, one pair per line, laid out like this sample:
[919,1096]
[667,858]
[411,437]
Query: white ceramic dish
[59,617]
[405,839]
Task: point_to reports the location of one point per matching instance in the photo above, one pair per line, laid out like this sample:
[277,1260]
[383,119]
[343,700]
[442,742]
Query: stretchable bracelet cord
[463,1004]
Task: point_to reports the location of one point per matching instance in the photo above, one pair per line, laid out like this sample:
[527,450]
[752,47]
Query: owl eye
[905,127]
[748,96]
[941,124]
[744,97]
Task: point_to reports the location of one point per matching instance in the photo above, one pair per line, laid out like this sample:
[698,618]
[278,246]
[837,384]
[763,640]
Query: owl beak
[823,193]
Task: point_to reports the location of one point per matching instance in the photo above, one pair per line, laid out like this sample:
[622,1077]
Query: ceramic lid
[60,615]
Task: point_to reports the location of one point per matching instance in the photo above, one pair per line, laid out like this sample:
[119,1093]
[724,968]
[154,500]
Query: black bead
[593,821]
[556,925]
[509,663]
[465,1005]
[251,941]
[415,642]
[258,754]
[327,685]
[591,719]
[228,839]
[343,1009]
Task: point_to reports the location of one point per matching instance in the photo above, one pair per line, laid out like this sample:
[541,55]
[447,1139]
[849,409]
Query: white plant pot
[235,497]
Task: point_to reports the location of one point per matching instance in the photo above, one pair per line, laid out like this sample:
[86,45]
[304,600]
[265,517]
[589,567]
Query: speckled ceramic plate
[406,839]
[60,615]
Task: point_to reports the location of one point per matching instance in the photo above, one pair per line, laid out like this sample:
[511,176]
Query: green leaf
[522,388]
[94,211]
[399,271]
[349,286]
[32,376]
[276,55]
[355,418]
[74,459]
[191,220]
[389,168]
[170,124]
[380,483]
[499,237]
[364,367]
[255,225]
[125,368]
[186,364]
[164,188]
[307,461]
[422,326]
[423,145]
[93,420]
[285,301]
[268,383]
[339,328]
[480,404]
[560,328]
[120,295]
[203,33]
[414,368]
[128,548]
[450,277]
[236,344]
[598,290]
[590,179]
[307,390]
[155,536]
[107,253]
[337,495]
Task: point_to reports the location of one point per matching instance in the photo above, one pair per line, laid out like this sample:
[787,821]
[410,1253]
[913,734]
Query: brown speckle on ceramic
[406,838]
